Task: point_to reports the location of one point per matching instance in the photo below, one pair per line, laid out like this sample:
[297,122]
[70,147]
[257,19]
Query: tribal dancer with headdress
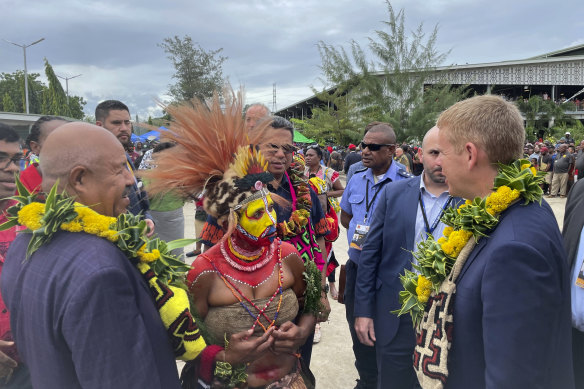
[250,282]
[303,224]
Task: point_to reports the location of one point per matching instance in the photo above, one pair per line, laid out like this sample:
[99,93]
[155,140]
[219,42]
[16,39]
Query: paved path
[332,358]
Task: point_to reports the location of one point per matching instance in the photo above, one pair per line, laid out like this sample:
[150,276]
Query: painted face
[257,222]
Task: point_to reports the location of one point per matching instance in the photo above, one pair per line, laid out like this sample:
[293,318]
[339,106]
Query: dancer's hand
[365,330]
[324,314]
[289,337]
[7,364]
[150,229]
[243,347]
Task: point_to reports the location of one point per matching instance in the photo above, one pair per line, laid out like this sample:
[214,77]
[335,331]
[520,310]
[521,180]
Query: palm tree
[540,115]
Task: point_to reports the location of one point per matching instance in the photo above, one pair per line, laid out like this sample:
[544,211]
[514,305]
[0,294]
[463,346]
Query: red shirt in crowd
[6,237]
[31,178]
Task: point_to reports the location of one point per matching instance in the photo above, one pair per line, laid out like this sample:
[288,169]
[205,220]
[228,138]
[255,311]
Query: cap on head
[352,147]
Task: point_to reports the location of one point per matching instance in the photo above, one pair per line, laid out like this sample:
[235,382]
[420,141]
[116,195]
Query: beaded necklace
[261,311]
[242,253]
[246,265]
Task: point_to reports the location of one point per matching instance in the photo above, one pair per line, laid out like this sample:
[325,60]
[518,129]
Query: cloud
[114,44]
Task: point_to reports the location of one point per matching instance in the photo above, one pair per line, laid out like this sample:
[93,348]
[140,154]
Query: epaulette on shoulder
[404,173]
[361,170]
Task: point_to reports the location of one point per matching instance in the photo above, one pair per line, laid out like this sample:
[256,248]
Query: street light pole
[25,72]
[67,85]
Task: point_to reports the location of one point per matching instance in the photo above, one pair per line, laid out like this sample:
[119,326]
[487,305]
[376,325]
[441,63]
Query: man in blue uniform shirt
[357,207]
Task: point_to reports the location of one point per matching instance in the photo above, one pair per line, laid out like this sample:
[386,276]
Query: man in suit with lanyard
[358,205]
[394,234]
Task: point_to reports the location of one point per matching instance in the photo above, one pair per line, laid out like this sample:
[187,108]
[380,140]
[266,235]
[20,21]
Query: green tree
[198,73]
[436,98]
[41,98]
[76,105]
[57,97]
[540,115]
[46,102]
[332,121]
[13,84]
[389,86]
[7,103]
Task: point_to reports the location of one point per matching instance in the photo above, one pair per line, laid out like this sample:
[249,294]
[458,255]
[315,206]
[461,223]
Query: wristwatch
[325,288]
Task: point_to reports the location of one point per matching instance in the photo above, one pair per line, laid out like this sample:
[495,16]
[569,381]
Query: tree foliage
[332,121]
[540,115]
[13,85]
[57,97]
[198,73]
[42,99]
[8,103]
[76,104]
[386,80]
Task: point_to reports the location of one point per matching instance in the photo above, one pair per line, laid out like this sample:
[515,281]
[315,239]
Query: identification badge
[359,236]
[580,279]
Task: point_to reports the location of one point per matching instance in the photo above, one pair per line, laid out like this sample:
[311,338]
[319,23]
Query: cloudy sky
[113,44]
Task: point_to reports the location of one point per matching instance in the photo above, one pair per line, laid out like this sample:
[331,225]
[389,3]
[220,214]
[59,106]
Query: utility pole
[25,72]
[67,85]
[274,99]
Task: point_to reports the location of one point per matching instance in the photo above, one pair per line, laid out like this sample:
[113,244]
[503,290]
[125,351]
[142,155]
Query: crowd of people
[450,281]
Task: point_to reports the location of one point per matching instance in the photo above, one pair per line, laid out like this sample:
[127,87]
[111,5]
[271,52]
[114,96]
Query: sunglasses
[375,146]
[272,148]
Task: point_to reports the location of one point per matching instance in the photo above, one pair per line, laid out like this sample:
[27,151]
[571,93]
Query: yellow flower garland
[435,258]
[424,288]
[498,201]
[88,221]
[31,215]
[163,272]
[91,222]
[454,243]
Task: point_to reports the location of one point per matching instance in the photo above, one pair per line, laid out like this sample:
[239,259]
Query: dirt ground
[332,358]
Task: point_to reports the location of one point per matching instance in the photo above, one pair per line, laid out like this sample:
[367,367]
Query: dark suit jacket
[83,317]
[512,310]
[387,251]
[139,203]
[573,220]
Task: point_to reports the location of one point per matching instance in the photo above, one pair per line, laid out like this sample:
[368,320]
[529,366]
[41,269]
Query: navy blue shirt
[354,198]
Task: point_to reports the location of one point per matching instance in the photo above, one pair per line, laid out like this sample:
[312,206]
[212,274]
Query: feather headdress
[214,153]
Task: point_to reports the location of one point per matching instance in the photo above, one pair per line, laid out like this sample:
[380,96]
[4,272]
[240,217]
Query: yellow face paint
[257,218]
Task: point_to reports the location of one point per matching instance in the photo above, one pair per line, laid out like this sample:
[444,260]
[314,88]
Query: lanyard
[430,229]
[131,169]
[369,204]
